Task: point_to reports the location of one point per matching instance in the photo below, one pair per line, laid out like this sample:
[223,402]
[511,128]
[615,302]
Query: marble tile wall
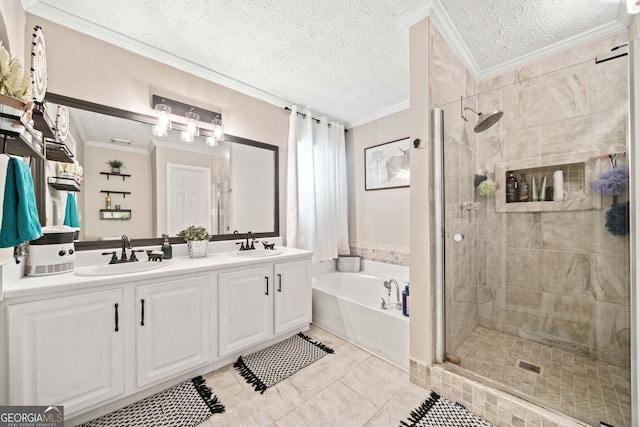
[558,278]
[381,252]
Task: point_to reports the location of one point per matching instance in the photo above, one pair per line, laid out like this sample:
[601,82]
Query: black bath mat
[271,365]
[185,405]
[437,411]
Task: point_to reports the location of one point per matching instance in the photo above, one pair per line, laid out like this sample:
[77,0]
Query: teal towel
[20,221]
[71,213]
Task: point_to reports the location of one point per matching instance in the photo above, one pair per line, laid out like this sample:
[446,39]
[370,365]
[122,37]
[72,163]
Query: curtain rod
[312,118]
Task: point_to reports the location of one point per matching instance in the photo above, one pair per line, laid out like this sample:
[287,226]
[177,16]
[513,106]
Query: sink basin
[257,253]
[114,269]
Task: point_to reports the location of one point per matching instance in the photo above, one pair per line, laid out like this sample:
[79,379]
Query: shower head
[485,121]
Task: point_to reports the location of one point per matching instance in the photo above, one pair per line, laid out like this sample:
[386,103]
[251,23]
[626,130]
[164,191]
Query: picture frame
[386,165]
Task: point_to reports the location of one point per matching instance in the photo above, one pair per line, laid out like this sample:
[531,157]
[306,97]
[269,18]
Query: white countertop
[180,265]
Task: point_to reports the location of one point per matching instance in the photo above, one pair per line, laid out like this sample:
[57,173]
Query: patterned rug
[437,411]
[271,365]
[185,405]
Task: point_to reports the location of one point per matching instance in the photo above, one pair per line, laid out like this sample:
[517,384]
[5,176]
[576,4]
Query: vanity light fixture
[191,127]
[217,133]
[189,120]
[163,123]
[633,6]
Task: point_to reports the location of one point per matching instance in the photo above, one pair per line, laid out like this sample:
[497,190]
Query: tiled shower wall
[558,278]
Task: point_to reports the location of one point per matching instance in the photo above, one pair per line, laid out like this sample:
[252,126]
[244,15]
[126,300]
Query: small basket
[348,263]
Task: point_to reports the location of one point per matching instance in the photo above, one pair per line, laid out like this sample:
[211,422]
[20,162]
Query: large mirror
[164,184]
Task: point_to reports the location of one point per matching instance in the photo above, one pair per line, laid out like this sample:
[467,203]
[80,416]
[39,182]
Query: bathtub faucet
[387,284]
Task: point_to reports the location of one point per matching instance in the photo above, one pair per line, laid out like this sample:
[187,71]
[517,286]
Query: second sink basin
[123,268]
[257,253]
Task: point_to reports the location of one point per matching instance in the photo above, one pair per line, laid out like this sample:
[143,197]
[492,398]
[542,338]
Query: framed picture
[387,165]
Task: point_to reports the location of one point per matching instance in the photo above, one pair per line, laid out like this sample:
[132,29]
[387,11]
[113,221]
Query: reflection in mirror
[164,184]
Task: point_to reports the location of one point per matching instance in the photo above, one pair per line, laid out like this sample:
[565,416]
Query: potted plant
[115,165]
[197,240]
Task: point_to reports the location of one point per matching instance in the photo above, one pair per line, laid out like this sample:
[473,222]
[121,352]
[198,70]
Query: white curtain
[317,217]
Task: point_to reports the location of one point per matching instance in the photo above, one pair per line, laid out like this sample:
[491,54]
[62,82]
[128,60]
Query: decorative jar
[197,248]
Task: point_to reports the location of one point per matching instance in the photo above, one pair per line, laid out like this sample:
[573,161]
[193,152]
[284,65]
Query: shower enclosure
[536,289]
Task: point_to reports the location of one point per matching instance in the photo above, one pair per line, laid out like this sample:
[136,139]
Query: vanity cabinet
[67,350]
[257,304]
[245,308]
[292,296]
[173,328]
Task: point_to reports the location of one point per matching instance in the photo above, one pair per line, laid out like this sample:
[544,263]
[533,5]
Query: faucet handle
[383,305]
[114,257]
[242,248]
[133,256]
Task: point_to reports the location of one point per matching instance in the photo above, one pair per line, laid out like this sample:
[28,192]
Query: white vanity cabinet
[292,304]
[173,328]
[245,308]
[67,350]
[259,303]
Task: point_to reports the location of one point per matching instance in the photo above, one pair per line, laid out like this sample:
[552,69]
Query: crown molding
[53,14]
[568,43]
[117,147]
[378,114]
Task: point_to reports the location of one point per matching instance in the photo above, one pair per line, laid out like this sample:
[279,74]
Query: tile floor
[348,388]
[589,390]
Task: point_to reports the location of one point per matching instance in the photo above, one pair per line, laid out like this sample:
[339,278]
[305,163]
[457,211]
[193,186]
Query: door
[245,309]
[173,329]
[292,305]
[66,351]
[188,197]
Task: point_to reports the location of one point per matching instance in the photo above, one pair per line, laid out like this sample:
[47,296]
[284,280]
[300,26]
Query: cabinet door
[245,309]
[292,295]
[173,328]
[66,351]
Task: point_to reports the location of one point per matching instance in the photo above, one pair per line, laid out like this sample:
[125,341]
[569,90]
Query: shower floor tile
[586,389]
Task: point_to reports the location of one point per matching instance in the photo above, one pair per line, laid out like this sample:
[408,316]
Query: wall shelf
[579,169]
[117,214]
[20,144]
[108,174]
[57,151]
[124,193]
[63,184]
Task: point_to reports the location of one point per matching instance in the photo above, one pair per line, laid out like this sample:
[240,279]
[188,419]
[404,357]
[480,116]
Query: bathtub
[348,305]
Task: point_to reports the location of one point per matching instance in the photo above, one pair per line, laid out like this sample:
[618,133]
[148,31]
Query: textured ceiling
[347,59]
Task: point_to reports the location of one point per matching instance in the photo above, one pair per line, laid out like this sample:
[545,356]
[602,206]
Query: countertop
[180,265]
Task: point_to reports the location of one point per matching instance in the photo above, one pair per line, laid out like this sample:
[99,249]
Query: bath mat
[437,411]
[187,404]
[271,365]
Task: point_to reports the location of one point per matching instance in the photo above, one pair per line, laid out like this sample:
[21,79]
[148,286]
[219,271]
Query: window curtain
[317,217]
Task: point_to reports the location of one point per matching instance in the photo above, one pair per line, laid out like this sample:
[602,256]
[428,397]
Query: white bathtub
[348,305]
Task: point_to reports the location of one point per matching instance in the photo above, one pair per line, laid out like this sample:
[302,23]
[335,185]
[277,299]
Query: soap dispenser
[405,300]
[166,247]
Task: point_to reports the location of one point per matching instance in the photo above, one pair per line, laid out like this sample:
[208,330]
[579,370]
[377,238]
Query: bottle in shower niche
[524,189]
[166,248]
[405,300]
[512,188]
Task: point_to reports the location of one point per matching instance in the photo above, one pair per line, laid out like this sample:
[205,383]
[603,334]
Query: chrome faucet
[387,284]
[126,244]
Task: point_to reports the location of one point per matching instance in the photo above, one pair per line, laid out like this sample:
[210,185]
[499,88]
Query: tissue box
[348,263]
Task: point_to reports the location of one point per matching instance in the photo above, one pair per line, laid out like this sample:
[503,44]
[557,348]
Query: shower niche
[578,169]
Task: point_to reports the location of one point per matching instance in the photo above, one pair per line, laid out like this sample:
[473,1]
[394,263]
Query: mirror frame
[150,120]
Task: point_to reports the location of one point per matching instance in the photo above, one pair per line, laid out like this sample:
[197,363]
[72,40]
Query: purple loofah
[611,182]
